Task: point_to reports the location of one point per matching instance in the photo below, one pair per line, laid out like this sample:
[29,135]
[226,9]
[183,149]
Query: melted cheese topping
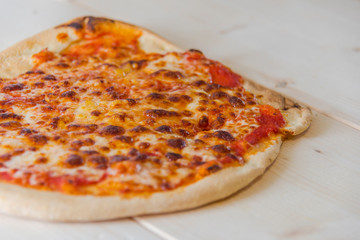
[109,123]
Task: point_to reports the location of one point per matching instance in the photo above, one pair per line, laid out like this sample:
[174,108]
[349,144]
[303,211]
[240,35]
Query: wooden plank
[15,229]
[312,191]
[299,48]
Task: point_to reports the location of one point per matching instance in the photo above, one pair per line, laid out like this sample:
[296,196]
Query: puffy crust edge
[44,205]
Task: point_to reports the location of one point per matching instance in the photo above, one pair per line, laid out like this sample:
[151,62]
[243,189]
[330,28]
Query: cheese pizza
[100,119]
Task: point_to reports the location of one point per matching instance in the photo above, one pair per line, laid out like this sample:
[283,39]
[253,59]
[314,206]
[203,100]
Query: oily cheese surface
[106,116]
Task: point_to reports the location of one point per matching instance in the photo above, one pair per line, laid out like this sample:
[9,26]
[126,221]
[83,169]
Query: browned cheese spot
[164,129]
[139,129]
[176,143]
[118,158]
[221,148]
[236,102]
[172,156]
[38,139]
[203,123]
[99,161]
[224,135]
[10,124]
[218,95]
[125,139]
[155,96]
[49,77]
[13,87]
[157,113]
[112,130]
[68,94]
[95,113]
[27,131]
[74,160]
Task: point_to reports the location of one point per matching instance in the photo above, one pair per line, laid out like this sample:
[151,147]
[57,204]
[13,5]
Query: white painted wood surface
[309,50]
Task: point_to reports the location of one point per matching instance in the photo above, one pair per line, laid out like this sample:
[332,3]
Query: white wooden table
[308,50]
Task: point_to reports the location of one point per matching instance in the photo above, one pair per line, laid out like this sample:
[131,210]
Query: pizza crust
[54,206]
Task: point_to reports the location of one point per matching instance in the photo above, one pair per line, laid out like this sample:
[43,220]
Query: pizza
[100,119]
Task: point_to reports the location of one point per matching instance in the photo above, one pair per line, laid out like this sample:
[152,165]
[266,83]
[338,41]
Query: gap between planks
[153,229]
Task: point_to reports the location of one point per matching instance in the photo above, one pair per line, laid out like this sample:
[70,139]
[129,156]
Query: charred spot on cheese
[211,86]
[49,77]
[141,157]
[77,144]
[38,139]
[76,25]
[13,87]
[236,102]
[220,148]
[39,84]
[164,129]
[74,160]
[203,123]
[187,113]
[37,71]
[62,65]
[98,160]
[157,113]
[186,98]
[131,101]
[27,131]
[10,124]
[118,158]
[155,96]
[218,95]
[199,141]
[173,74]
[95,113]
[183,132]
[90,152]
[112,130]
[186,123]
[213,168]
[199,83]
[133,152]
[10,116]
[218,122]
[174,98]
[68,94]
[125,139]
[173,156]
[139,129]
[224,135]
[176,143]
[195,51]
[47,108]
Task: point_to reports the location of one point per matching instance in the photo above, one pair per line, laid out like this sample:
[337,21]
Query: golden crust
[54,206]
